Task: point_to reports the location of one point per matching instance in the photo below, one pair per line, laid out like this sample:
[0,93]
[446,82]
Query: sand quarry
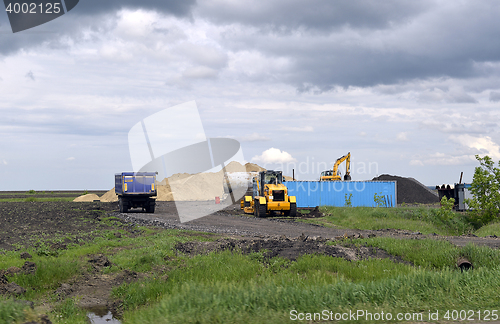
[188,187]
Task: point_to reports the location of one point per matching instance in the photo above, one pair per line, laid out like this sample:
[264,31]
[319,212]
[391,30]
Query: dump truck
[269,196]
[334,174]
[136,189]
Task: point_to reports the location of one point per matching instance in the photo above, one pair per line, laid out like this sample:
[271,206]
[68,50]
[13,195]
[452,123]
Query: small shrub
[446,213]
[379,200]
[348,200]
[485,188]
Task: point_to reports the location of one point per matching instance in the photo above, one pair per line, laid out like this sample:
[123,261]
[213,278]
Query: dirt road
[233,221]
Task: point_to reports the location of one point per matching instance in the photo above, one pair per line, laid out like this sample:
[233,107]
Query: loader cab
[266,177]
[272,177]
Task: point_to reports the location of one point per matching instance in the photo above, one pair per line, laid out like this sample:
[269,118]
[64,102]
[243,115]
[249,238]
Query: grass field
[426,220]
[232,287]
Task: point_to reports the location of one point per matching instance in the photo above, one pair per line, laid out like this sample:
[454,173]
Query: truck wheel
[151,208]
[123,206]
[256,206]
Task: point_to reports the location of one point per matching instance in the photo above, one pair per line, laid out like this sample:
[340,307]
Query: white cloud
[273,155]
[254,137]
[416,163]
[71,158]
[403,137]
[4,162]
[484,145]
[298,129]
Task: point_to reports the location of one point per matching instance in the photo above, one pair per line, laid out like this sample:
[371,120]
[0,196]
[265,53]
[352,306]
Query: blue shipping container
[333,193]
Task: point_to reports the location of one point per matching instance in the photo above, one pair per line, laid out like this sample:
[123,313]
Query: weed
[348,200]
[379,200]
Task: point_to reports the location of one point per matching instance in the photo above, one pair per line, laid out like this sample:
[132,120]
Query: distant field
[47,195]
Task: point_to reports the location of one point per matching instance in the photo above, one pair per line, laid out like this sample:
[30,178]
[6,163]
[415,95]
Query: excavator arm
[335,172]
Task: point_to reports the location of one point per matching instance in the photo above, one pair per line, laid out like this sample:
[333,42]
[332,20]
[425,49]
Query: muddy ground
[23,223]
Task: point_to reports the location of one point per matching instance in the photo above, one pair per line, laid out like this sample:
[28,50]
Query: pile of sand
[109,196]
[187,187]
[251,167]
[86,198]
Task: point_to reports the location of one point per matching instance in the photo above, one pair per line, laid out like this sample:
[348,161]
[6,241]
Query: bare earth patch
[286,248]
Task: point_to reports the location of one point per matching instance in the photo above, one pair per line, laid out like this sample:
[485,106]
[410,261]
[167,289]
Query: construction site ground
[23,223]
[54,226]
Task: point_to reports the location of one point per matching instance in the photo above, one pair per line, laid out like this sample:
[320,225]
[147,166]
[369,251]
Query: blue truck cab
[136,189]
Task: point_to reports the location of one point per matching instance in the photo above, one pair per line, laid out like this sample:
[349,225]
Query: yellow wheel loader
[269,195]
[334,175]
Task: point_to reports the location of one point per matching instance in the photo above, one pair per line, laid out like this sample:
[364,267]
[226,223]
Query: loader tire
[262,210]
[293,210]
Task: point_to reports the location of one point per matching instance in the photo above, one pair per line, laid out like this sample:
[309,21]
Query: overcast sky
[409,88]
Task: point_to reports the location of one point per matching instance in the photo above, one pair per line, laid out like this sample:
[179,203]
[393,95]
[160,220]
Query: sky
[408,88]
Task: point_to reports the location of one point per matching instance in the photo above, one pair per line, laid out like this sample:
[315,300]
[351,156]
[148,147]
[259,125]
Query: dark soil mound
[410,191]
[286,248]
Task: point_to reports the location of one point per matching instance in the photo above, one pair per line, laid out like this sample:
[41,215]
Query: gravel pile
[410,191]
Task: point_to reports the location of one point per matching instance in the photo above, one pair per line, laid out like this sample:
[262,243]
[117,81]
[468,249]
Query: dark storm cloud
[88,13]
[175,7]
[364,43]
[317,14]
[494,96]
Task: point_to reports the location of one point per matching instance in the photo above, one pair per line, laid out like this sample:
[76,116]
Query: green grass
[229,287]
[490,229]
[11,311]
[423,219]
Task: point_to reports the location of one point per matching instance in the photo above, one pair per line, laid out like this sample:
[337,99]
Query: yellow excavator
[269,195]
[334,175]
